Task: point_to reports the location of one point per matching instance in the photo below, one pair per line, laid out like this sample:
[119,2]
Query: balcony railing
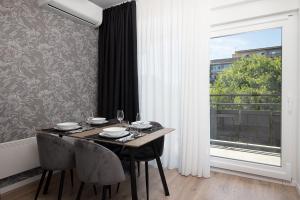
[246,121]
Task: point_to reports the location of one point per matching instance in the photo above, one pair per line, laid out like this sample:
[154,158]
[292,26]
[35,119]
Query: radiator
[18,156]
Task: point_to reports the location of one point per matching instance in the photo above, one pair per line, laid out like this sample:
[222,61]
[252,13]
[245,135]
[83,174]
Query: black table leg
[133,176]
[147,179]
[161,171]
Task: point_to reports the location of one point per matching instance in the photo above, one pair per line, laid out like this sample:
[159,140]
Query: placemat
[94,134]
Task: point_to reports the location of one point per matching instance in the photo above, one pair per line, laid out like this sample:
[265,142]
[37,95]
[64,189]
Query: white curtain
[173,65]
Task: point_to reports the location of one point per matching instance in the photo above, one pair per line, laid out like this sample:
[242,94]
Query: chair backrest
[145,153]
[97,164]
[54,152]
[159,143]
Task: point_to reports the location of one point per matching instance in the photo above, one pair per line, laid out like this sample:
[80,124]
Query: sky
[224,47]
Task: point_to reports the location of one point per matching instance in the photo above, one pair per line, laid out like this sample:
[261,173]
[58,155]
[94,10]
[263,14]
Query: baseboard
[19,184]
[252,176]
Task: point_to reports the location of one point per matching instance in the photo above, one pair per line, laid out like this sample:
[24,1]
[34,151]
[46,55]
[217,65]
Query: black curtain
[118,77]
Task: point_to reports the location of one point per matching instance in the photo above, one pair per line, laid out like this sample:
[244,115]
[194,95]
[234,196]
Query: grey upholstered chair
[97,164]
[55,154]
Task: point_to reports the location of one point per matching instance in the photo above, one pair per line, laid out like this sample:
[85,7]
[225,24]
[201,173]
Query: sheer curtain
[173,67]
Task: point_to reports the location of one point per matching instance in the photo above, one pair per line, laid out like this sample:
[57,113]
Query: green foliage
[255,75]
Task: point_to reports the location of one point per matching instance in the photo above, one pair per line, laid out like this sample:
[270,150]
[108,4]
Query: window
[246,104]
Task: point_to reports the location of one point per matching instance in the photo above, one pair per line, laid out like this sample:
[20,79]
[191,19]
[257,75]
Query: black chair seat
[113,147]
[142,154]
[145,154]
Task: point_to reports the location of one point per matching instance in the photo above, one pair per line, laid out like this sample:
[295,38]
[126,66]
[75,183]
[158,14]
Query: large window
[245,95]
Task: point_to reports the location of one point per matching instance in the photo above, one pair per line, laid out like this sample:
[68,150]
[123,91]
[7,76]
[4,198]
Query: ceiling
[107,3]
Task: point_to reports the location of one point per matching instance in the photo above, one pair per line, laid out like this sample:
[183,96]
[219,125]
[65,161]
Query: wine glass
[120,115]
[138,117]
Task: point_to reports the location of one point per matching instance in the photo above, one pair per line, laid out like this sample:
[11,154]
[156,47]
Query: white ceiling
[107,3]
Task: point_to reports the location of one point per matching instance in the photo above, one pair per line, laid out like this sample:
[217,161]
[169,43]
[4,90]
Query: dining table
[132,144]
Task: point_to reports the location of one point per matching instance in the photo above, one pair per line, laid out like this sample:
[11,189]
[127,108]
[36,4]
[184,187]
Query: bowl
[114,130]
[67,125]
[97,119]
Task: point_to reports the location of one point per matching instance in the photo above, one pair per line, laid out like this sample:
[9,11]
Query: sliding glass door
[250,110]
[245,96]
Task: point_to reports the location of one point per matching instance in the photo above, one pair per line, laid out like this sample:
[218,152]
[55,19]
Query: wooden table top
[138,142]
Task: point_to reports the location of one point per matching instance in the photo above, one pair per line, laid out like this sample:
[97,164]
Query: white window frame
[288,23]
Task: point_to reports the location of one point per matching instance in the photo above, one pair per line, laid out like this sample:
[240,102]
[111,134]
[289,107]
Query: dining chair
[55,154]
[96,164]
[148,153]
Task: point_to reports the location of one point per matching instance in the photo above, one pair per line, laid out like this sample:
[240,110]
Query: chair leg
[95,189]
[138,168]
[109,190]
[61,184]
[40,184]
[72,177]
[48,182]
[104,192]
[80,191]
[147,179]
[118,187]
[161,171]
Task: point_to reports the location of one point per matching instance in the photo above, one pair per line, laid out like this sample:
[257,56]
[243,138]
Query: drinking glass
[138,117]
[120,115]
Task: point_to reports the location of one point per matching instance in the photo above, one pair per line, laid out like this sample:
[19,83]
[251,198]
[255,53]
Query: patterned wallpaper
[48,69]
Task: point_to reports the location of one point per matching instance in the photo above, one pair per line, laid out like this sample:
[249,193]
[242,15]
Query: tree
[255,75]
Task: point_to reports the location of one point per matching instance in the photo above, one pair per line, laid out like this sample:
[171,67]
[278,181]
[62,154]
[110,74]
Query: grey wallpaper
[48,69]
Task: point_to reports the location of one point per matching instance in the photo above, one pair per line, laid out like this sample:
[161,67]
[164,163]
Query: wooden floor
[218,187]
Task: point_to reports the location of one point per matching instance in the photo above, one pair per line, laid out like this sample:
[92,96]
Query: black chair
[96,164]
[55,154]
[146,153]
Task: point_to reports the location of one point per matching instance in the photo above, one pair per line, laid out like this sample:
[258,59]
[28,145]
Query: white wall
[225,11]
[228,11]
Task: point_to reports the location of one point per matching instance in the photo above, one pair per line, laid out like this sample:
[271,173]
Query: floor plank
[219,187]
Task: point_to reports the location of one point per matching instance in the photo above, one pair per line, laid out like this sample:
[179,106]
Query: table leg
[133,176]
[161,171]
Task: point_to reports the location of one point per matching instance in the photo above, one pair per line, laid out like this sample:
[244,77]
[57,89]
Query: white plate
[67,128]
[96,123]
[97,119]
[66,125]
[114,129]
[141,125]
[114,135]
[140,122]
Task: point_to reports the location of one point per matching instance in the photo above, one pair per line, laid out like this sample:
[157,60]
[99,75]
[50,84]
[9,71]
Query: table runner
[85,127]
[155,127]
